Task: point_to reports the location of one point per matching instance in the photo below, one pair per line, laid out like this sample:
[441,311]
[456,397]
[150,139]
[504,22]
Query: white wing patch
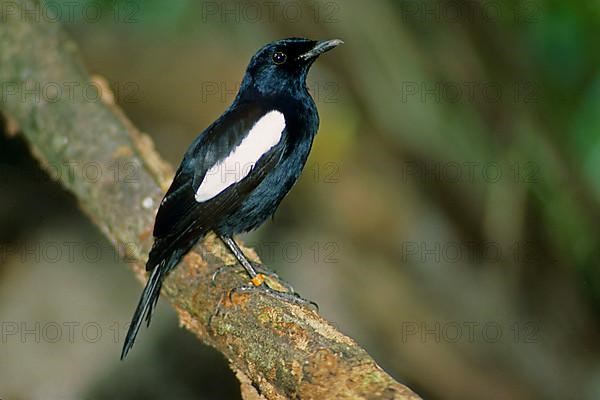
[265,134]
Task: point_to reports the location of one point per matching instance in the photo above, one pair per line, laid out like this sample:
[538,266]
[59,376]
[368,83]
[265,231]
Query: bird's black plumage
[273,104]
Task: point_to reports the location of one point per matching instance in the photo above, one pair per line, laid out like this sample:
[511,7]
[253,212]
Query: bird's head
[282,66]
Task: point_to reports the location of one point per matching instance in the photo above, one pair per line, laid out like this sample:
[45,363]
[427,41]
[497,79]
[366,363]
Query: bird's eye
[279,57]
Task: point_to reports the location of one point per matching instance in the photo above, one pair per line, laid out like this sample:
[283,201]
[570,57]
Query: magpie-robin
[236,172]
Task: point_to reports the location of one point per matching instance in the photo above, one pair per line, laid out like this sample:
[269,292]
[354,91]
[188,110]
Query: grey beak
[321,47]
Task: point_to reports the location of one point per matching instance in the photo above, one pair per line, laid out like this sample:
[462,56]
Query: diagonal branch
[278,350]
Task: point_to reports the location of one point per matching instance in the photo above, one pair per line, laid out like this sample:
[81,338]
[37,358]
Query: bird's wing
[194,199]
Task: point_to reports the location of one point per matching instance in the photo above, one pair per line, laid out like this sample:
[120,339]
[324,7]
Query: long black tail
[145,307]
[164,256]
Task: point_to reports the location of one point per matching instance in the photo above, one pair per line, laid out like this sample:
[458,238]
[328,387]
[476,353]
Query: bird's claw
[290,296]
[267,282]
[218,271]
[264,276]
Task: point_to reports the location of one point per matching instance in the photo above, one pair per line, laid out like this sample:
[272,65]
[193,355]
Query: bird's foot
[287,296]
[230,298]
[267,282]
[264,276]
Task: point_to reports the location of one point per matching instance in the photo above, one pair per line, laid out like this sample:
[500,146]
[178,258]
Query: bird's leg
[258,272]
[258,279]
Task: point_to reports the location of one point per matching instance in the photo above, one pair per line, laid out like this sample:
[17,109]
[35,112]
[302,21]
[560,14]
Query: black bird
[237,171]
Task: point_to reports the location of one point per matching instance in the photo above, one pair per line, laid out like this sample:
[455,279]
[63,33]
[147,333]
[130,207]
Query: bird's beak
[321,47]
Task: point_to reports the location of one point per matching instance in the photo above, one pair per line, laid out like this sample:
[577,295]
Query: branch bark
[278,350]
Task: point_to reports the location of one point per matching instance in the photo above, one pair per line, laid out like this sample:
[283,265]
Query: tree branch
[278,350]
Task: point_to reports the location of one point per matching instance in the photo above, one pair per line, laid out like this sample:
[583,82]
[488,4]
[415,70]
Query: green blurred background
[447,218]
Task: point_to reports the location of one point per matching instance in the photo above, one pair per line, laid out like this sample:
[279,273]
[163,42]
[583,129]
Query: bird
[237,171]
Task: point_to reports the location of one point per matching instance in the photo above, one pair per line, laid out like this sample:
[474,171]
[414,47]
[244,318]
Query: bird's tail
[145,306]
[164,256]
